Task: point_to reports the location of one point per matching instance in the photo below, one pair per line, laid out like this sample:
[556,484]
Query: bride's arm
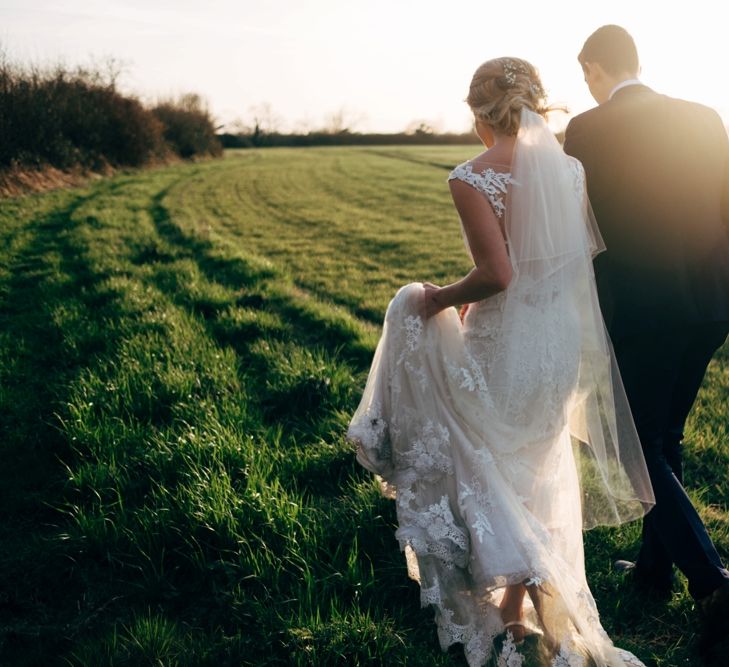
[492,271]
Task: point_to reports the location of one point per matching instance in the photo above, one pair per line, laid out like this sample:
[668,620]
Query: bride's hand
[431,304]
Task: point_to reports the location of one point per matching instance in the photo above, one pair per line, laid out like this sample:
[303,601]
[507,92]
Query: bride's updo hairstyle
[500,88]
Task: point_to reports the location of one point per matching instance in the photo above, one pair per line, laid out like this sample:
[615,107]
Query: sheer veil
[552,302]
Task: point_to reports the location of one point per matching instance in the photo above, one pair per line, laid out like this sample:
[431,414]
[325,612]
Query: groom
[658,180]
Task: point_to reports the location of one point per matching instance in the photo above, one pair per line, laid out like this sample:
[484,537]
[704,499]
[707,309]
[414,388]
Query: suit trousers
[662,372]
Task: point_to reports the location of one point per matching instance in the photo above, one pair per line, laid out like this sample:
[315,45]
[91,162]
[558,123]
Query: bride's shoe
[512,612]
[517,636]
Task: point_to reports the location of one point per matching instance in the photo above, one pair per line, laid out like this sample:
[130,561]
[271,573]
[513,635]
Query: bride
[501,434]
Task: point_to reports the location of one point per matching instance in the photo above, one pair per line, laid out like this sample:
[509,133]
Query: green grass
[181,352]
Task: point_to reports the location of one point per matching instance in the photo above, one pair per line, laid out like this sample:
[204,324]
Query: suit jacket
[657,172]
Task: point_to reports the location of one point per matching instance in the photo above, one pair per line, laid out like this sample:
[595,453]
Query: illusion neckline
[491,165]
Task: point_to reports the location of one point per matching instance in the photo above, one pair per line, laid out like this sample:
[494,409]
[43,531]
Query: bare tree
[419,127]
[105,71]
[303,126]
[114,68]
[264,119]
[341,121]
[238,126]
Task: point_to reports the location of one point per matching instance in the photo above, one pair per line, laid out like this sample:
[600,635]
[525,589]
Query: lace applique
[629,659]
[439,523]
[413,328]
[431,530]
[430,596]
[428,453]
[578,174]
[509,656]
[405,497]
[455,632]
[476,642]
[470,378]
[371,432]
[588,605]
[589,612]
[568,656]
[419,373]
[483,319]
[449,555]
[480,503]
[490,182]
[482,458]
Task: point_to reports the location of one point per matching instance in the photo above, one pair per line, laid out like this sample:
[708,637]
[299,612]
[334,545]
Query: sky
[381,65]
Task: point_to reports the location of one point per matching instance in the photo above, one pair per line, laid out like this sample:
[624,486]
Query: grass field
[181,352]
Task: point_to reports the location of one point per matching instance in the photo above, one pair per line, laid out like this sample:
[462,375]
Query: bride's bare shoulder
[481,157]
[492,157]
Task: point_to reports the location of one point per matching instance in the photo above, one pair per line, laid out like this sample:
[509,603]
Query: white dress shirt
[624,84]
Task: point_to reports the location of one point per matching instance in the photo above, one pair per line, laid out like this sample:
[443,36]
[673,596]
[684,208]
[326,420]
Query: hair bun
[500,88]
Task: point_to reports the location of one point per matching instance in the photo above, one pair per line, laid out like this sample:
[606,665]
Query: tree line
[70,118]
[259,139]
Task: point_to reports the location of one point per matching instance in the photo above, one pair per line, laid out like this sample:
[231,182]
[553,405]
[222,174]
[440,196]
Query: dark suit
[658,179]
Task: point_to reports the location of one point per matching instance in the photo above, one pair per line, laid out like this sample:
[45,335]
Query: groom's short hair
[612,47]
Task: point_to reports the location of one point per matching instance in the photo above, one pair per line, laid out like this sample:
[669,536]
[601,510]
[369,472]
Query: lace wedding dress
[501,437]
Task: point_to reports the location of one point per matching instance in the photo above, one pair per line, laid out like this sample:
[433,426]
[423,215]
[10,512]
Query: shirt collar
[624,84]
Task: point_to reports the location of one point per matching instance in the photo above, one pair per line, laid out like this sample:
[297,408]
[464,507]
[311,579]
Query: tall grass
[181,352]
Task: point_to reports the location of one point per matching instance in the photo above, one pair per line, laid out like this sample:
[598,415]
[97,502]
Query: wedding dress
[501,437]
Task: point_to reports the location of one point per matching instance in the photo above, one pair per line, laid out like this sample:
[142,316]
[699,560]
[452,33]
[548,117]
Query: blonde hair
[500,88]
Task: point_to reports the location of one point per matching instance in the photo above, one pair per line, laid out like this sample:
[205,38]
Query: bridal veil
[501,437]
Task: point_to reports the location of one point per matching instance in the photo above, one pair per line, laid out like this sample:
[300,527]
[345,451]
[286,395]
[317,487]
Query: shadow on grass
[264,287]
[42,602]
[394,155]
